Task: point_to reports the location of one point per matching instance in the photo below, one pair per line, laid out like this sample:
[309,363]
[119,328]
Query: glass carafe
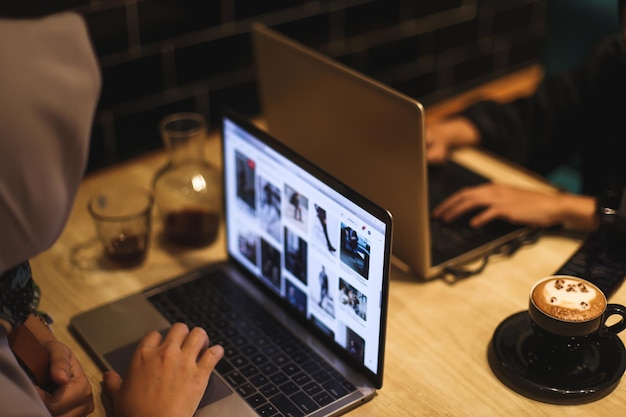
[187,190]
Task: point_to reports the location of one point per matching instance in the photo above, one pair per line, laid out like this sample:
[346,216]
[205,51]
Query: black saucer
[597,374]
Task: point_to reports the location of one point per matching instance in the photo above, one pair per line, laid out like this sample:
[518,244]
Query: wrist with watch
[611,209]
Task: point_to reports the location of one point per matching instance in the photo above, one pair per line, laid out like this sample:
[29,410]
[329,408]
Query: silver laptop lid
[322,249]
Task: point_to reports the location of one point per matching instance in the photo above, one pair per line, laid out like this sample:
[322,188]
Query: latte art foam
[569,299]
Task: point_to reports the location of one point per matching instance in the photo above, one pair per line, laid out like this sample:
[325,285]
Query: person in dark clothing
[321,215]
[575,113]
[323,277]
[295,202]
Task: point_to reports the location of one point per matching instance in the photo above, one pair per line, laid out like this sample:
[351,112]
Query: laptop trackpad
[120,360]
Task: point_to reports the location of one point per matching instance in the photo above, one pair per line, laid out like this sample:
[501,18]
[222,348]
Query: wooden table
[436,362]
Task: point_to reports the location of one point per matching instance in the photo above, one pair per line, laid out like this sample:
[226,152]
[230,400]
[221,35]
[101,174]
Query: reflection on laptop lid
[371,137]
[300,305]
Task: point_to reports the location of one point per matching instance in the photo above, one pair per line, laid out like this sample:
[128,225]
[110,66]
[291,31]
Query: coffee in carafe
[187,190]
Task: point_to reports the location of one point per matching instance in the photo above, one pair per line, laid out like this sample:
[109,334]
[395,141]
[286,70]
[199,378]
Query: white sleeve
[49,87]
[18,397]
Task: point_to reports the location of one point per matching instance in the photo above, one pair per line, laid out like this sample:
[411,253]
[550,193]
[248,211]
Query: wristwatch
[611,209]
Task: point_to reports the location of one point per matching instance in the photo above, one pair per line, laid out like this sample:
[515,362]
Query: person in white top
[50,87]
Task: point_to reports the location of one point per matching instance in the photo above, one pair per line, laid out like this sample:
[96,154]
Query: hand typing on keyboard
[519,206]
[268,366]
[167,376]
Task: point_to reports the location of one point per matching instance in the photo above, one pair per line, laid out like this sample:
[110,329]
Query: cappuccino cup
[567,314]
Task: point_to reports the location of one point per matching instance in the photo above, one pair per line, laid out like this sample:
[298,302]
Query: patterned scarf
[17,294]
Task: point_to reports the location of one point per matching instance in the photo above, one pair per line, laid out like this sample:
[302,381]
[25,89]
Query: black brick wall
[162,56]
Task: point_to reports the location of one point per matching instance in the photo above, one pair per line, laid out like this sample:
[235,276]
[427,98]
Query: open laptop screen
[315,243]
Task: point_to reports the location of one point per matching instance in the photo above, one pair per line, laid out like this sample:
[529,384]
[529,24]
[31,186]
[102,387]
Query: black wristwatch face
[612,209]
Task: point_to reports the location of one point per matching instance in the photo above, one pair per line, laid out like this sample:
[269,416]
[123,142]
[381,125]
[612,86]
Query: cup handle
[611,310]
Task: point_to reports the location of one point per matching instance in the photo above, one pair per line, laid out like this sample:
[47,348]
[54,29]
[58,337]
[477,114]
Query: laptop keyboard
[446,179]
[275,372]
[456,238]
[450,240]
[599,260]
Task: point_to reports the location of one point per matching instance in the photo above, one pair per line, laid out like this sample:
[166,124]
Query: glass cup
[122,216]
[567,314]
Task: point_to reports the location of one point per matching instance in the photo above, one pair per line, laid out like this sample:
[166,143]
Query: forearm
[462,132]
[578,212]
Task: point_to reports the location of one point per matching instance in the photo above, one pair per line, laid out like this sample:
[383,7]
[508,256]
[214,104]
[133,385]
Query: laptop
[372,138]
[300,305]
